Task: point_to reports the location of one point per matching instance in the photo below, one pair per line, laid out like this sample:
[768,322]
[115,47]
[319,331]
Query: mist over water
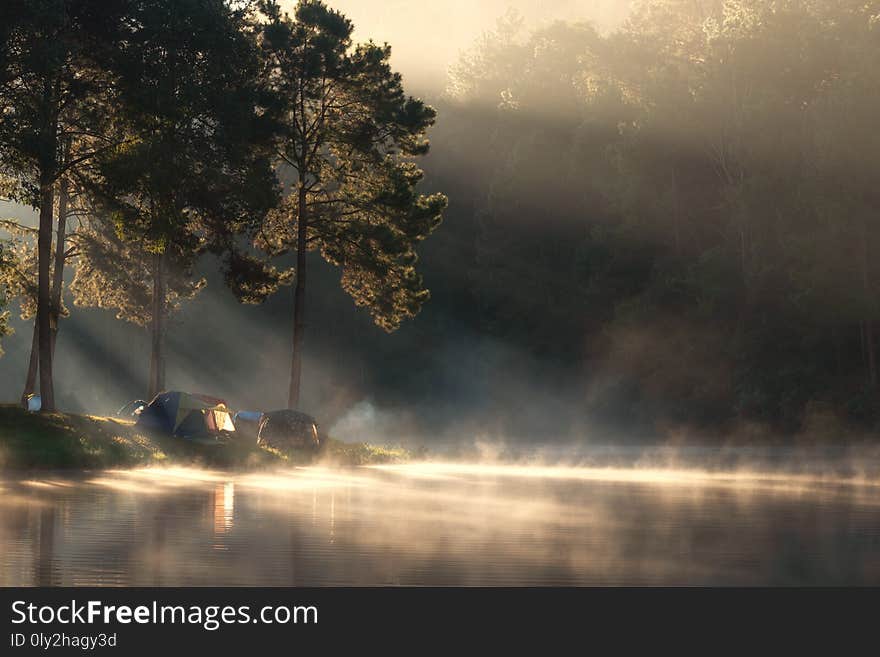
[439,523]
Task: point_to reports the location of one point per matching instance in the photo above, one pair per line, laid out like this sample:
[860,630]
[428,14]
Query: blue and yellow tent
[186,414]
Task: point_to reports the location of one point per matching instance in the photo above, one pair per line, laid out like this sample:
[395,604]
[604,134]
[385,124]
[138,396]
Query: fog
[427,37]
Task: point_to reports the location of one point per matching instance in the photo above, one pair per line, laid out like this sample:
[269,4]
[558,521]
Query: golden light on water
[123,484]
[646,475]
[36,484]
[156,480]
[183,474]
[224,507]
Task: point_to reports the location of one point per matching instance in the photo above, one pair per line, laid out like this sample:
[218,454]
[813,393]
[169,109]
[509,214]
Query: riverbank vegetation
[61,441]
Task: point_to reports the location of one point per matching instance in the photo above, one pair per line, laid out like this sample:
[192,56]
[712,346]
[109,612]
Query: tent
[288,429]
[247,423]
[186,415]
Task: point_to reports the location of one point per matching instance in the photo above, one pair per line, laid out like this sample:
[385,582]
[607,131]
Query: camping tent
[184,414]
[287,429]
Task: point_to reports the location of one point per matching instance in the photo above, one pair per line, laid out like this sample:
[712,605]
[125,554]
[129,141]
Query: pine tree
[52,90]
[21,274]
[117,272]
[349,136]
[194,173]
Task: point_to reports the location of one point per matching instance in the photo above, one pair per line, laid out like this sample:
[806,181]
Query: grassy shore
[61,440]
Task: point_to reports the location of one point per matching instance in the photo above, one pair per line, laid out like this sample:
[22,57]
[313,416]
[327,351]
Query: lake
[438,524]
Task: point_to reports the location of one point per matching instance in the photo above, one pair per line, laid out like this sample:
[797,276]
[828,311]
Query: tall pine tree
[194,173]
[349,136]
[53,89]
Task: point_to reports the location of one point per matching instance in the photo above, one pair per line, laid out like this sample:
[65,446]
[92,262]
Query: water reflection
[44,567]
[224,507]
[438,524]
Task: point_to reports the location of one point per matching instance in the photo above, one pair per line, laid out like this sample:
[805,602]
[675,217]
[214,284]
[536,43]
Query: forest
[661,228]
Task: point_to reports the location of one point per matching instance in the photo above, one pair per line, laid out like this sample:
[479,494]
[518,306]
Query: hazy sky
[427,36]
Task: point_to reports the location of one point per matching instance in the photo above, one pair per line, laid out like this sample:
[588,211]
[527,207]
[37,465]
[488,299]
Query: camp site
[205,420]
[209,420]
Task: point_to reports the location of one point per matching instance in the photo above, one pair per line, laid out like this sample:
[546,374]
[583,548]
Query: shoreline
[63,441]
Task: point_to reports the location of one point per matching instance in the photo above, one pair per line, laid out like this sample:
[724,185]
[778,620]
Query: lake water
[438,524]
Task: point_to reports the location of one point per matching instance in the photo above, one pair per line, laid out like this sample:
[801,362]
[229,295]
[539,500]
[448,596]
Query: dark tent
[186,415]
[288,429]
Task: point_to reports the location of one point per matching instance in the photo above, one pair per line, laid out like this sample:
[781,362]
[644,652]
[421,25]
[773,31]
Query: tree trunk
[58,271]
[44,324]
[299,300]
[30,382]
[157,328]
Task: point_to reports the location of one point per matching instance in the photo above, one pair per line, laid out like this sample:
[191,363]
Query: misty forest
[659,225]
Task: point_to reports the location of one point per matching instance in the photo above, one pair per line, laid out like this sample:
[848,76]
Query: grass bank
[62,440]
